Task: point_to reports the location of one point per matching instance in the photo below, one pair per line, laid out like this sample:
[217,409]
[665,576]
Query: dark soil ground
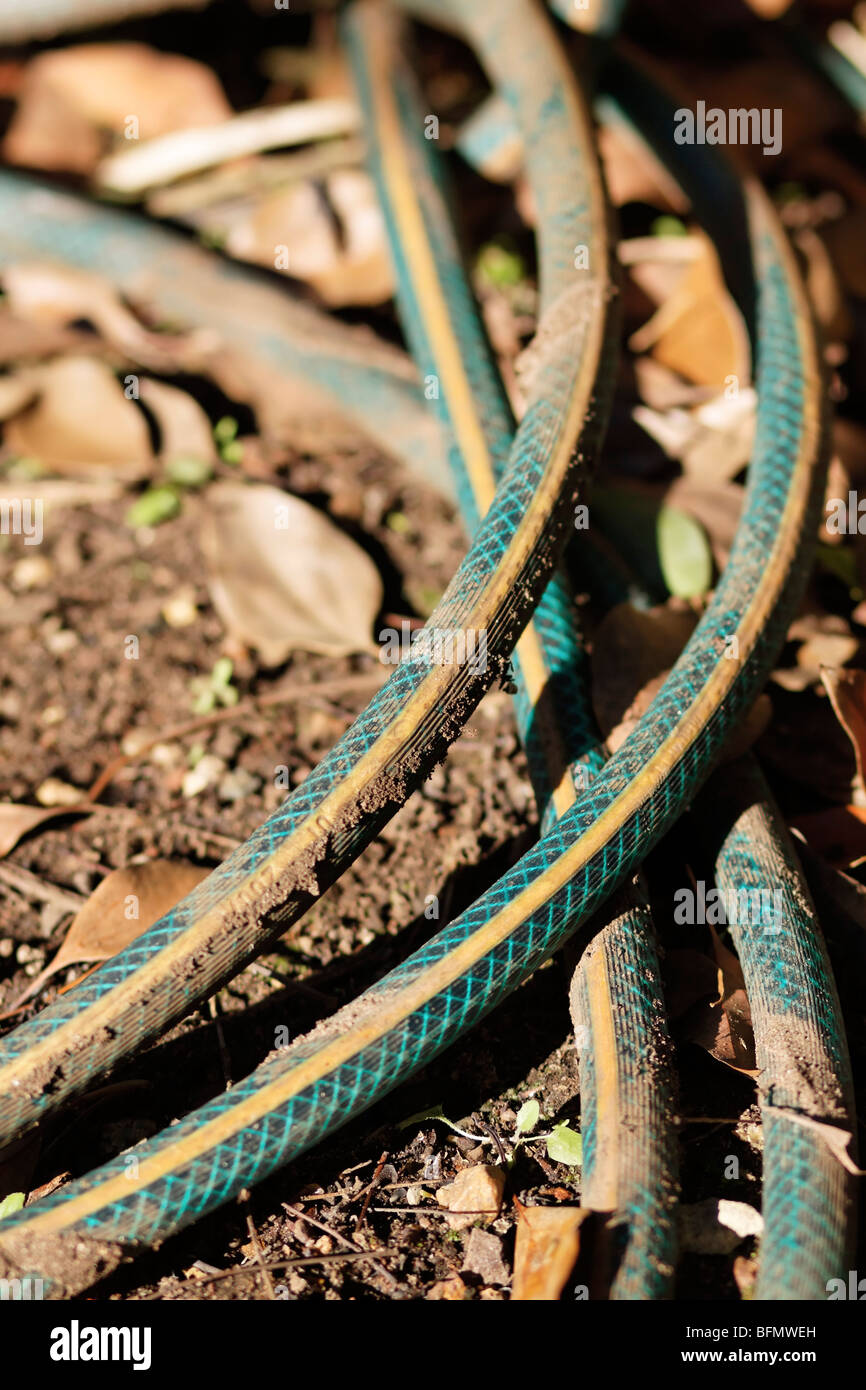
[69,700]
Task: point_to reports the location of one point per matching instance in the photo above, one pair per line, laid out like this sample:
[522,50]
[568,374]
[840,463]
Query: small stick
[254,1239]
[307,1260]
[169,157]
[369,1192]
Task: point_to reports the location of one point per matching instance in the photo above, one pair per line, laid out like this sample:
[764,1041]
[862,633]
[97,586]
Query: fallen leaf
[724,1026]
[698,331]
[82,423]
[545,1250]
[823,285]
[184,427]
[282,576]
[124,905]
[745,1276]
[565,1145]
[684,553]
[51,297]
[667,545]
[837,832]
[338,246]
[17,390]
[632,648]
[477,1191]
[633,173]
[847,691]
[16,820]
[74,101]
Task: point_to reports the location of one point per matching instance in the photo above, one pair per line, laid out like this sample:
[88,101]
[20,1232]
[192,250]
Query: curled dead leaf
[698,331]
[82,422]
[74,100]
[16,820]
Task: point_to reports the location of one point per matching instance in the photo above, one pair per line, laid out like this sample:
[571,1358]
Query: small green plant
[225,433]
[214,689]
[156,505]
[14,1202]
[185,470]
[564,1145]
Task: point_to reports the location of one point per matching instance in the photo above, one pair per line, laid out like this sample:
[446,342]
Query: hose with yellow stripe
[298,1097]
[304,846]
[635,1172]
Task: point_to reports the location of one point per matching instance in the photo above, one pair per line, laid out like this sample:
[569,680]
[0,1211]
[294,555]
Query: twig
[369,1191]
[182,152]
[307,1260]
[254,1240]
[335,1235]
[274,171]
[33,887]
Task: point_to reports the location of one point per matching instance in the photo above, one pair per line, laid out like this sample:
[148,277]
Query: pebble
[53,792]
[207,771]
[238,784]
[32,572]
[180,610]
[475,1190]
[484,1258]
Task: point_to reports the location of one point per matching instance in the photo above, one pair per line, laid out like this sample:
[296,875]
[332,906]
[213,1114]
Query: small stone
[484,1258]
[180,610]
[59,643]
[238,784]
[53,792]
[53,714]
[452,1289]
[32,572]
[477,1191]
[324,1245]
[207,771]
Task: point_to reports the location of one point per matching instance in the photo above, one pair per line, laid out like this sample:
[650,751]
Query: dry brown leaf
[847,691]
[51,296]
[837,832]
[545,1251]
[717,506]
[74,100]
[124,905]
[823,284]
[340,250]
[17,391]
[844,240]
[632,652]
[698,331]
[476,1191]
[283,577]
[185,429]
[724,1027]
[632,172]
[82,423]
[16,820]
